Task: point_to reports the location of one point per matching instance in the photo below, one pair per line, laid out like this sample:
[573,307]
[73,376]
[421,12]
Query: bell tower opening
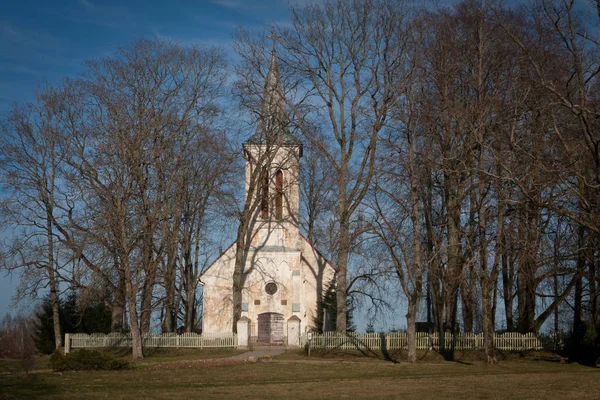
[279,194]
[264,201]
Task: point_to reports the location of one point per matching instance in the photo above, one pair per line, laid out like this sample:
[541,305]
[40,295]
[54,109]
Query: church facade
[285,277]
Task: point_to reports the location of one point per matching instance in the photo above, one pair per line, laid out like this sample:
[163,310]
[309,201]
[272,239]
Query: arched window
[279,194]
[264,200]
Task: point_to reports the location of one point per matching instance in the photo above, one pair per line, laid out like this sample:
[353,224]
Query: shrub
[585,348]
[86,360]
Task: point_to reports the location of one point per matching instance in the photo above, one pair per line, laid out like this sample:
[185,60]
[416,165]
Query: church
[285,277]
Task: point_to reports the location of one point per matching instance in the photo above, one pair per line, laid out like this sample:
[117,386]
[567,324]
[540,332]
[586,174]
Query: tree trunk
[467,294]
[526,277]
[193,269]
[146,306]
[190,297]
[136,335]
[594,279]
[131,289]
[578,299]
[118,303]
[556,262]
[507,281]
[52,280]
[411,319]
[55,313]
[434,286]
[454,262]
[488,327]
[149,267]
[169,323]
[240,261]
[342,273]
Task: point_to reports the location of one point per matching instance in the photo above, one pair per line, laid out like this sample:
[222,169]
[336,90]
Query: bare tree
[398,220]
[564,71]
[142,110]
[343,59]
[30,165]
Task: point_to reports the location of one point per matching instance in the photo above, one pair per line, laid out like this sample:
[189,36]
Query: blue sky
[45,41]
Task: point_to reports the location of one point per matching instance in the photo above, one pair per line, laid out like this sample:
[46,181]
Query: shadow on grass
[361,348]
[33,386]
[384,350]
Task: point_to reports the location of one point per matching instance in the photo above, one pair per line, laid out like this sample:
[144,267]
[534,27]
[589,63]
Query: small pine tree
[370,328]
[329,303]
[93,318]
[43,332]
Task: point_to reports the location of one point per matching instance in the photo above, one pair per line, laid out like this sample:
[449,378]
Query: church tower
[272,169]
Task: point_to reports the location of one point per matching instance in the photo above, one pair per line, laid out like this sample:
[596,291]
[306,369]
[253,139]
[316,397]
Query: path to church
[258,352]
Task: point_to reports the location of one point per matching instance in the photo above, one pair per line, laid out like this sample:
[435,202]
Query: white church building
[284,276]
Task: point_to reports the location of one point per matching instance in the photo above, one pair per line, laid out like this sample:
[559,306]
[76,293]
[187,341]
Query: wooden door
[270,328]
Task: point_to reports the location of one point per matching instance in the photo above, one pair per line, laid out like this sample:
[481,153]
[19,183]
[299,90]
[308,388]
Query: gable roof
[318,252]
[327,262]
[215,261]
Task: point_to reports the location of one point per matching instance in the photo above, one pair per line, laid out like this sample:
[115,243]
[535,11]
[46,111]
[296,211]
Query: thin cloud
[239,5]
[87,4]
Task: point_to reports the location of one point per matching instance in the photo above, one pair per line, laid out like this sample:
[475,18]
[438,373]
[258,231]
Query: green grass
[11,365]
[159,355]
[427,356]
[314,378]
[152,356]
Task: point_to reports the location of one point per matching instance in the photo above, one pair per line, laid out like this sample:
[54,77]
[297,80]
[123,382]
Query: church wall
[217,307]
[297,274]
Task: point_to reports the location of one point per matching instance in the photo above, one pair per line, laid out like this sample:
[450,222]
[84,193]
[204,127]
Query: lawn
[153,355]
[294,376]
[159,355]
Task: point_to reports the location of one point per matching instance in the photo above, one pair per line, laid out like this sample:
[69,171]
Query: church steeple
[272,125]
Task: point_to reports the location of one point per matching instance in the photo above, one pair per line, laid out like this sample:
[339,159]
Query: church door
[270,328]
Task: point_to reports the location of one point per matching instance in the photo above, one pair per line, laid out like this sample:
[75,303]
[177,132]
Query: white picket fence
[192,340]
[510,341]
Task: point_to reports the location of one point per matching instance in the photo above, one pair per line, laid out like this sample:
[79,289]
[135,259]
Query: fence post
[67,343]
[243,332]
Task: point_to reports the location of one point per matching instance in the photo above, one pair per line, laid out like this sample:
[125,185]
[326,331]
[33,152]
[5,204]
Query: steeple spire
[272,116]
[272,122]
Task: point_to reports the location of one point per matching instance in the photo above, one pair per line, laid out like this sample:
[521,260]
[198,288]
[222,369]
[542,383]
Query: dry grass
[315,378]
[159,355]
[8,365]
[153,355]
[423,356]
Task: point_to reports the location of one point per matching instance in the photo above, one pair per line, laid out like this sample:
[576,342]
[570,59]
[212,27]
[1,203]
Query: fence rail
[191,340]
[510,341]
